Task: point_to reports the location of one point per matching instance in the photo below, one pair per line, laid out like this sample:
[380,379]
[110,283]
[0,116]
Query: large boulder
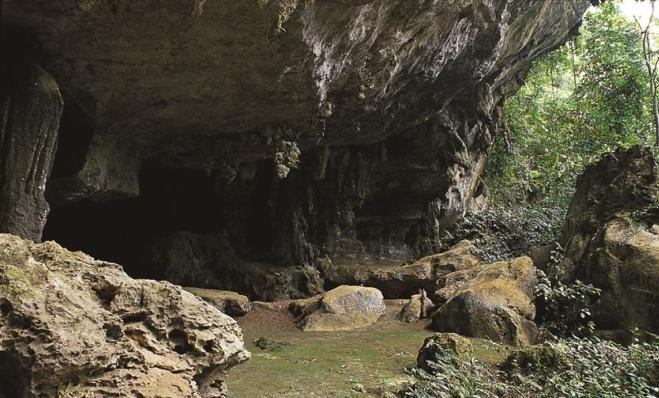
[401,281]
[612,238]
[624,264]
[71,326]
[496,303]
[343,308]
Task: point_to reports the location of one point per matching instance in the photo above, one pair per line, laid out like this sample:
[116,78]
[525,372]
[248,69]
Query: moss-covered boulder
[624,264]
[71,326]
[538,357]
[230,303]
[612,238]
[432,345]
[496,303]
[343,308]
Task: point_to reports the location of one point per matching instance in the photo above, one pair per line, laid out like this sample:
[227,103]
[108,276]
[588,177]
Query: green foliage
[454,378]
[578,102]
[563,309]
[504,233]
[579,368]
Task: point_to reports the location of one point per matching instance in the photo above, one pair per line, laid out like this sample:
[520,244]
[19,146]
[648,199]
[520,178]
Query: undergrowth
[563,309]
[579,368]
[505,233]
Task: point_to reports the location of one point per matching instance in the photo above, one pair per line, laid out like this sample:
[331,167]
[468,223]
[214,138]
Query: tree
[649,56]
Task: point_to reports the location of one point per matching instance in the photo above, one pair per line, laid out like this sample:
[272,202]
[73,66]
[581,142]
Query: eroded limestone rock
[30,110]
[71,326]
[496,303]
[343,308]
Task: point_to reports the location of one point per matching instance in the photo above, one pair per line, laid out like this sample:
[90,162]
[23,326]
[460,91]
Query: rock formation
[343,308]
[612,238]
[71,326]
[293,129]
[30,110]
[399,281]
[230,303]
[496,303]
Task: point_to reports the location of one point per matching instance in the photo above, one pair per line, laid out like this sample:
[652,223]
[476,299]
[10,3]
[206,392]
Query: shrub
[563,309]
[504,233]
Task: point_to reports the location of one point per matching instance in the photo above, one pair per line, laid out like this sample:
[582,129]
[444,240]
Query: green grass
[363,363]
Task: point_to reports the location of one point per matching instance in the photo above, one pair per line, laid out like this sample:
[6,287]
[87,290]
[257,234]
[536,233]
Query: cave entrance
[119,230]
[171,200]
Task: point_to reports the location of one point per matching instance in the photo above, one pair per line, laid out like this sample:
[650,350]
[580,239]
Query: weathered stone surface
[396,281]
[386,109]
[230,303]
[612,238]
[342,308]
[624,263]
[30,110]
[71,326]
[459,345]
[496,303]
[412,310]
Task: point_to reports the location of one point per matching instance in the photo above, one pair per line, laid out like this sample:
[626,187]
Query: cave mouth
[171,200]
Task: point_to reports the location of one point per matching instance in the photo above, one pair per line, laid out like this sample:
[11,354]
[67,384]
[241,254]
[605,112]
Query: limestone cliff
[286,130]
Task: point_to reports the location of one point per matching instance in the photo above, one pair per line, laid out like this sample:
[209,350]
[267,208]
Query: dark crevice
[73,140]
[12,377]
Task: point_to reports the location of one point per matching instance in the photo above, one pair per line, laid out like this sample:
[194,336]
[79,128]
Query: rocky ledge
[272,131]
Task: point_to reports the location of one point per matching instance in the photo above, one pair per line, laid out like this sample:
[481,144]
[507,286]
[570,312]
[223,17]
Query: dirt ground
[364,363]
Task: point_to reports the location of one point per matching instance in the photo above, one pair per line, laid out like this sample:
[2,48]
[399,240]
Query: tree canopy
[578,102]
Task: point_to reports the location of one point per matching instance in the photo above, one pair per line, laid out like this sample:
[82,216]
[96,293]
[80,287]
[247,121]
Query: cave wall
[288,130]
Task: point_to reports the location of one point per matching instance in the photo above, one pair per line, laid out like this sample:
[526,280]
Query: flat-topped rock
[230,303]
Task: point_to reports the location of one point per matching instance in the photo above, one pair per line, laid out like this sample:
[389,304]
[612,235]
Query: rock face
[343,308]
[612,238]
[297,129]
[71,326]
[230,303]
[30,110]
[496,303]
[207,260]
[396,281]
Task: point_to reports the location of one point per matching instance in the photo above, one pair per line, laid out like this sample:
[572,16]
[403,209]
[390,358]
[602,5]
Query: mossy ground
[363,363]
